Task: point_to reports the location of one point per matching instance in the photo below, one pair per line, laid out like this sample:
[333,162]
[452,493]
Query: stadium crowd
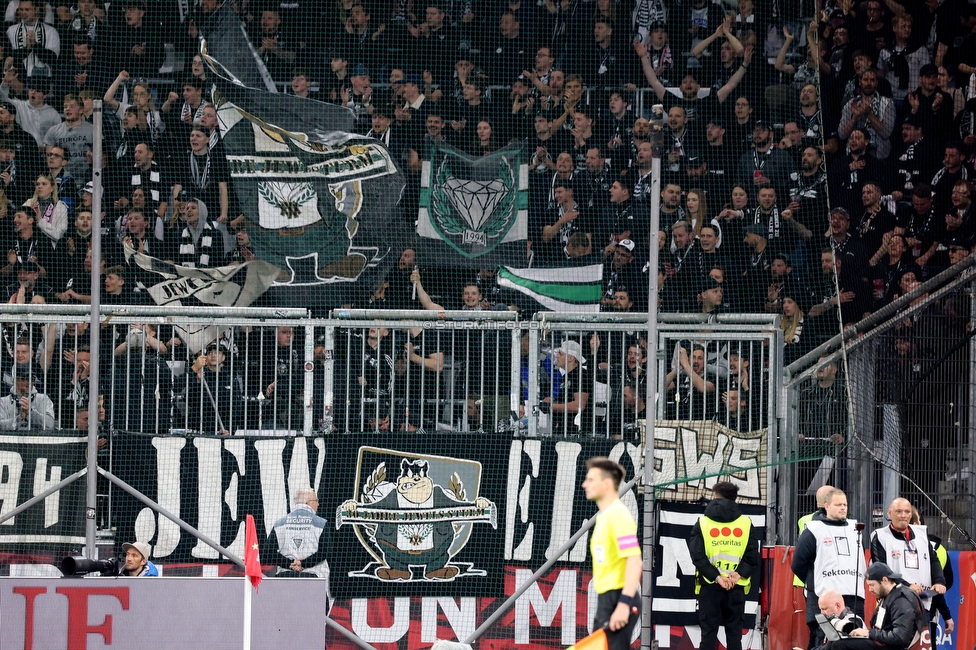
[767,103]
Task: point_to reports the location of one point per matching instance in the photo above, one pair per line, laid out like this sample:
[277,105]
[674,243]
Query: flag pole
[656,137]
[247,613]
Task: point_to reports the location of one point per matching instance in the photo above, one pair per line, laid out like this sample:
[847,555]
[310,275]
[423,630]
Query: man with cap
[137,564]
[931,105]
[906,547]
[829,556]
[33,115]
[358,96]
[569,412]
[897,621]
[414,108]
[24,408]
[214,399]
[622,271]
[765,165]
[725,550]
[27,289]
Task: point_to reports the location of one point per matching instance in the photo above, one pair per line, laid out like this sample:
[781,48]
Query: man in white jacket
[24,408]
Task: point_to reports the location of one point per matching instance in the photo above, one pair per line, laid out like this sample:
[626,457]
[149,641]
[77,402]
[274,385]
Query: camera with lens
[845,622]
[79,566]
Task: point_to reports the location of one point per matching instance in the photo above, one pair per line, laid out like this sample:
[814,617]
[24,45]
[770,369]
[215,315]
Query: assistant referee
[617,565]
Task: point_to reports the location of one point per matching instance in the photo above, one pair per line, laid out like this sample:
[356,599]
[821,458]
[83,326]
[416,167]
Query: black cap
[186,195]
[717,121]
[22,370]
[708,282]
[757,229]
[762,124]
[842,212]
[880,570]
[928,70]
[958,241]
[9,107]
[29,266]
[38,82]
[657,24]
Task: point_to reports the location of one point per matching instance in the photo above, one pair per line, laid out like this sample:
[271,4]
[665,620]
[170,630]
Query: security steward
[829,556]
[726,555]
[906,549]
[617,564]
[898,620]
[820,513]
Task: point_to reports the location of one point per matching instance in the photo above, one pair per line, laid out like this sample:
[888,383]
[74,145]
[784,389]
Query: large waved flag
[474,210]
[320,200]
[252,562]
[223,286]
[576,288]
[227,41]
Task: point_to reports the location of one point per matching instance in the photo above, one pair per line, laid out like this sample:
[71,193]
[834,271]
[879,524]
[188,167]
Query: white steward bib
[840,560]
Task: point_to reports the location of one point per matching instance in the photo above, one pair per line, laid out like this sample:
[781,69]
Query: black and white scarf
[201,177]
[196,244]
[39,33]
[774,223]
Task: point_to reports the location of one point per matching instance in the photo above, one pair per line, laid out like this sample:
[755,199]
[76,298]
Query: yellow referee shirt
[614,540]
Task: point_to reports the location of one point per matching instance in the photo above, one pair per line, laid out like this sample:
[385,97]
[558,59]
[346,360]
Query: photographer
[137,564]
[25,408]
[840,617]
[898,621]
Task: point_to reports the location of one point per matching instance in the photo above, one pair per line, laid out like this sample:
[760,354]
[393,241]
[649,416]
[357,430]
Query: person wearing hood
[725,551]
[829,556]
[200,242]
[898,619]
[137,564]
[24,408]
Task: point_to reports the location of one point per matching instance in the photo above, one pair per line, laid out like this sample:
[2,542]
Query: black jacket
[723,510]
[904,619]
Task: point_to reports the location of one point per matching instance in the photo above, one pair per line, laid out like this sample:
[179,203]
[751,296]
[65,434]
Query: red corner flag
[252,565]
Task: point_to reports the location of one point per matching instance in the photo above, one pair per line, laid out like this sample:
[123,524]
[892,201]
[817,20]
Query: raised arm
[781,65]
[723,93]
[109,97]
[648,69]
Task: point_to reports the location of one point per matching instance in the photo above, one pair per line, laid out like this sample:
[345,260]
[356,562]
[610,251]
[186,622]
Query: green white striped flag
[575,288]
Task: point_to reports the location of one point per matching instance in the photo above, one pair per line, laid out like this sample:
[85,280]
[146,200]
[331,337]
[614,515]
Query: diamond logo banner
[474,211]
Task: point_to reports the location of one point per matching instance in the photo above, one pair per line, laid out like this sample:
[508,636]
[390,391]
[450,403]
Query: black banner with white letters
[29,465]
[430,515]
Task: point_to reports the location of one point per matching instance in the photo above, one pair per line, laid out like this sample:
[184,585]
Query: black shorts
[605,604]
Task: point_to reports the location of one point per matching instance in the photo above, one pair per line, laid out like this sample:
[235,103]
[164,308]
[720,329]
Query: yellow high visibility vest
[725,545]
[802,525]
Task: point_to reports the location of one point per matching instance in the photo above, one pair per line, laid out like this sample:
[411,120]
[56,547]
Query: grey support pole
[43,495]
[169,515]
[656,138]
[565,548]
[94,333]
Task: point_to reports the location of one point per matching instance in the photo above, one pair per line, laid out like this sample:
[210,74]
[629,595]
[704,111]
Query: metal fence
[890,413]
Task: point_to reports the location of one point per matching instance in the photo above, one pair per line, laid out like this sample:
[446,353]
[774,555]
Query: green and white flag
[575,288]
[474,210]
